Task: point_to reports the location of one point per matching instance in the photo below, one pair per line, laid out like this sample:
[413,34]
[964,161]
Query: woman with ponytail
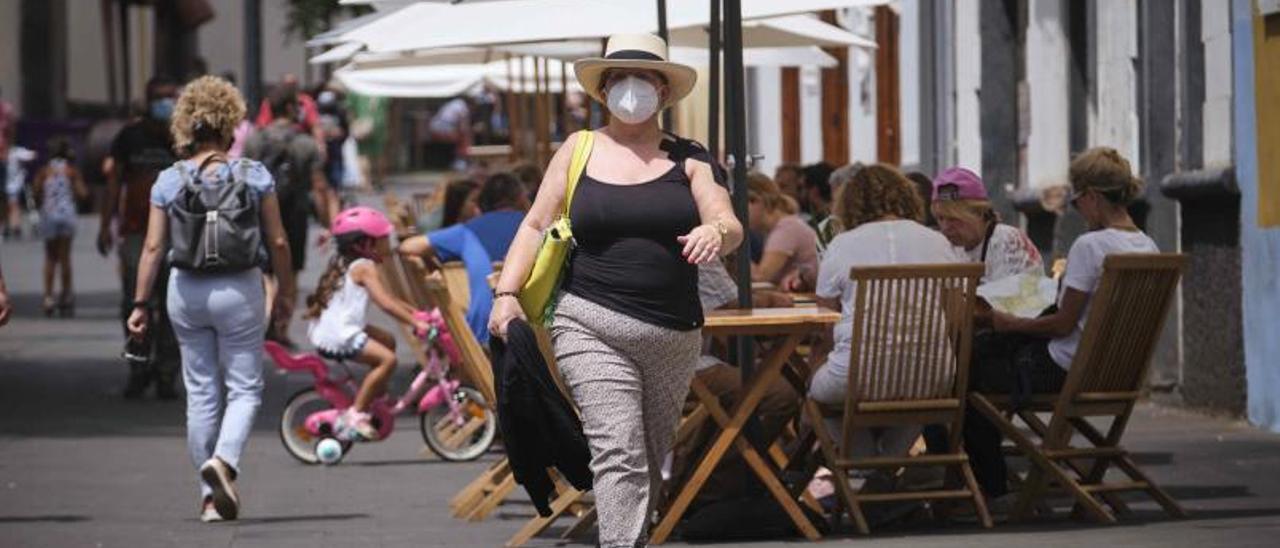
[1043,348]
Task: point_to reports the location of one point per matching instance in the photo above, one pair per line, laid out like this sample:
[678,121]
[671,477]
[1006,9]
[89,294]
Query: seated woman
[790,245]
[1102,186]
[477,242]
[966,218]
[882,210]
[457,202]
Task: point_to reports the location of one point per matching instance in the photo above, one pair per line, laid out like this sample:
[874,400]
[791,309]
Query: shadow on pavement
[44,519]
[299,519]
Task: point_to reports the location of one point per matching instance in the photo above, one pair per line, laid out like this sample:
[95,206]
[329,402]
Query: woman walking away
[57,187]
[1042,348]
[966,218]
[215,215]
[337,313]
[646,211]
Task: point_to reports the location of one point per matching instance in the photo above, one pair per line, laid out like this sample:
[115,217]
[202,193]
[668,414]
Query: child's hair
[331,280]
[1103,169]
[60,149]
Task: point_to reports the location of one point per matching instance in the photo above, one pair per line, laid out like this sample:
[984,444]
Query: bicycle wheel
[460,443]
[297,441]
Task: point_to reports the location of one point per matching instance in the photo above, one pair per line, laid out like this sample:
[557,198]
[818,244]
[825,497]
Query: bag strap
[578,165]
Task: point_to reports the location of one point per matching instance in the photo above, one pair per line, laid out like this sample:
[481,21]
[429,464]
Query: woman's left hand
[702,244]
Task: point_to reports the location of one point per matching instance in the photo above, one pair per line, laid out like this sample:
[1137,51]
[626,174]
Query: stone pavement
[81,467]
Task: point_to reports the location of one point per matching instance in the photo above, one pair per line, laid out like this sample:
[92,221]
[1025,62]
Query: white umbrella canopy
[779,32]
[399,80]
[810,56]
[426,25]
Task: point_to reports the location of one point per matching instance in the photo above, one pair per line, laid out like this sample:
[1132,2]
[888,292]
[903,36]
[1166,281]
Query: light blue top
[170,180]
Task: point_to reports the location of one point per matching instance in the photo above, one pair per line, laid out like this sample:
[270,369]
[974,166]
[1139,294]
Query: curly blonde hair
[877,191]
[209,109]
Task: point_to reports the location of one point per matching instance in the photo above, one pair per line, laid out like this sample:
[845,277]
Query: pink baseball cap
[957,183]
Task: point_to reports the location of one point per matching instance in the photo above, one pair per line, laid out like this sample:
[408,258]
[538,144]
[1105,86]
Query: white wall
[862,88]
[1048,149]
[222,43]
[1115,122]
[968,73]
[767,112]
[86,54]
[1216,31]
[909,80]
[810,115]
[10,61]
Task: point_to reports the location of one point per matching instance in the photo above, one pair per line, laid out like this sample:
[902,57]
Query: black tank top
[627,258]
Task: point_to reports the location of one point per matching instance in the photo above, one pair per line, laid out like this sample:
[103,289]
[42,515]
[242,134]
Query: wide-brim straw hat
[636,51]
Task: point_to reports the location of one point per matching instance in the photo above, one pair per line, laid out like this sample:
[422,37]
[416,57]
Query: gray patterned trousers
[629,380]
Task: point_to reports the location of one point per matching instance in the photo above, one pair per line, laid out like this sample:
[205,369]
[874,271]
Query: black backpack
[278,161]
[215,227]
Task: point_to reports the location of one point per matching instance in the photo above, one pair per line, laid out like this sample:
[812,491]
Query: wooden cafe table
[794,324]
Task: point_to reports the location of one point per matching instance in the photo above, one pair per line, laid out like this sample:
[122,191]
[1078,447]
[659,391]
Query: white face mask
[633,100]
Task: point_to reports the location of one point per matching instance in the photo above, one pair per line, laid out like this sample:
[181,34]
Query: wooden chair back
[1126,317]
[912,328]
[428,292]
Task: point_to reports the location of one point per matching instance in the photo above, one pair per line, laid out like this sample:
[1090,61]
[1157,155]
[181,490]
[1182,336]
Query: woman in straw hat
[646,211]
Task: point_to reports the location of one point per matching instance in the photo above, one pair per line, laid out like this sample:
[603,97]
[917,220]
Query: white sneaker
[208,513]
[221,479]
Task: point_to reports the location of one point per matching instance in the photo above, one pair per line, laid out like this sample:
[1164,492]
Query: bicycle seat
[296,362]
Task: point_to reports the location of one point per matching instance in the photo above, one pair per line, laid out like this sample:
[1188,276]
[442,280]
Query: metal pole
[662,32]
[252,53]
[126,97]
[735,129]
[713,109]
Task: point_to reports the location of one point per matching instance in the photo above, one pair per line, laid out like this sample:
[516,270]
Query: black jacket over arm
[539,428]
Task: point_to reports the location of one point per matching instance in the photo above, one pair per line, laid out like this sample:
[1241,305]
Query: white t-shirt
[1084,269]
[1009,253]
[344,317]
[878,243]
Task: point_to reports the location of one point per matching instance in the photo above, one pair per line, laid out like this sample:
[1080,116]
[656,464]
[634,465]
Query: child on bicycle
[337,312]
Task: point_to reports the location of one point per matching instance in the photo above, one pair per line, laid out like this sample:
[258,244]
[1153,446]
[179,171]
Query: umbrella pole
[735,118]
[662,32]
[513,150]
[713,109]
[564,101]
[537,112]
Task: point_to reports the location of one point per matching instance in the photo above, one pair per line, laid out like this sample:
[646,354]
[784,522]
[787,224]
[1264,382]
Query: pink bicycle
[456,421]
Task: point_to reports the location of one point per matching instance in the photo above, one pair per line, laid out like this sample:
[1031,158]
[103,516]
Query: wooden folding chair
[1126,315]
[909,365]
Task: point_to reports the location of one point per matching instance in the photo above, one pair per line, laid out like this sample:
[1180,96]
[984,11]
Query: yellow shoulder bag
[537,298]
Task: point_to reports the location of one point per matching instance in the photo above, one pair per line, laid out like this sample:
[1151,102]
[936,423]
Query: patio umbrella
[425,25]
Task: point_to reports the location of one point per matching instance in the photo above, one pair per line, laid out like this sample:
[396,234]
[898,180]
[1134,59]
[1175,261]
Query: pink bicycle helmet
[361,220]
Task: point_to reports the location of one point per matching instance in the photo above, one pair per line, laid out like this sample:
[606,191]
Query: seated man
[781,402]
[477,242]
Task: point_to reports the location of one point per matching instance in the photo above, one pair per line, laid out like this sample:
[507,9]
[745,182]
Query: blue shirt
[169,182]
[494,229]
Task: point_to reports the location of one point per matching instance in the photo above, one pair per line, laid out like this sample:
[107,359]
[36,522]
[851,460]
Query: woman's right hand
[138,323]
[505,309]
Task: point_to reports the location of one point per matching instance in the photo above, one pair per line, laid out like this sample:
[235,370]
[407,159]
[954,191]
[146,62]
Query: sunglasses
[1076,195]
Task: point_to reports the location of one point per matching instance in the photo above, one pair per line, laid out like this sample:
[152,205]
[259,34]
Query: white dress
[339,331]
